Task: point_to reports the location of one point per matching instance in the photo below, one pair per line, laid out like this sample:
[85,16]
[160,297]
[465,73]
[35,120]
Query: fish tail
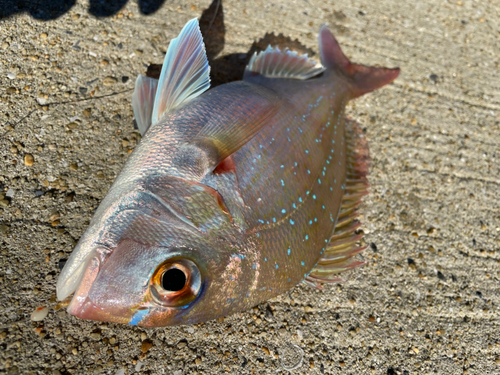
[362,79]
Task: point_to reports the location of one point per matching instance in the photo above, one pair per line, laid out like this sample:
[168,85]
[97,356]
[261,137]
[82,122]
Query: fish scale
[306,228]
[244,190]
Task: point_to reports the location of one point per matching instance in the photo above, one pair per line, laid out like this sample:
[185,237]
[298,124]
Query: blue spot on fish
[283,211]
[138,316]
[292,222]
[289,251]
[302,263]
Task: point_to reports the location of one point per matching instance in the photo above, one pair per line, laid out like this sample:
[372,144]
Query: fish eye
[173,280]
[175,283]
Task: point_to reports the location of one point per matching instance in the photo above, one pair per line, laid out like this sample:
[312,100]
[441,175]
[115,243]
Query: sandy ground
[428,299]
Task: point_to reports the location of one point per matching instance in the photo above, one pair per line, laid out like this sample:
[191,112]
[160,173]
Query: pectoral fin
[224,135]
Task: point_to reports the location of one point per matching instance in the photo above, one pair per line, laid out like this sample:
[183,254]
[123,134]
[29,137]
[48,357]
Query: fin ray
[185,73]
[143,101]
[273,63]
[344,242]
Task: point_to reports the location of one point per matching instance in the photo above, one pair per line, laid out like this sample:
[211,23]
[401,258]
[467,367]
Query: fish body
[233,195]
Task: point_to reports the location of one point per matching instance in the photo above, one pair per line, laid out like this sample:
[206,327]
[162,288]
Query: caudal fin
[363,78]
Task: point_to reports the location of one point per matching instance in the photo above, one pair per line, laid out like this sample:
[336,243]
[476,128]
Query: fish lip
[68,283]
[88,310]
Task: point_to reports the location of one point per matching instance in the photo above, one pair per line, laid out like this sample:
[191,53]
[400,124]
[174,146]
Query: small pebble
[146,345]
[138,366]
[29,160]
[39,314]
[54,216]
[109,81]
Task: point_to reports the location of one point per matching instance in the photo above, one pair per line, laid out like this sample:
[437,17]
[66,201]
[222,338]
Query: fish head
[141,284]
[165,260]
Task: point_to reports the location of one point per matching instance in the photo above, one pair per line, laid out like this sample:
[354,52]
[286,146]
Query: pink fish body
[233,195]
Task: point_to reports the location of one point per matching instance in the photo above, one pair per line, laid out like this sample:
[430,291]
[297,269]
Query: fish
[234,194]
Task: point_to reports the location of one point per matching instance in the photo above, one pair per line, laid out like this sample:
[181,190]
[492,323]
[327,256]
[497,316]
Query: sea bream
[234,195]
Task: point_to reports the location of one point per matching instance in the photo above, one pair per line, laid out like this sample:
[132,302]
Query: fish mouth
[82,306]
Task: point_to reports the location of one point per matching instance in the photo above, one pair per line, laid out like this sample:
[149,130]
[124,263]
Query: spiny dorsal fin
[185,73]
[273,63]
[143,100]
[344,242]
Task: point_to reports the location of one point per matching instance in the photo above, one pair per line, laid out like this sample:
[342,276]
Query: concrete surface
[428,300]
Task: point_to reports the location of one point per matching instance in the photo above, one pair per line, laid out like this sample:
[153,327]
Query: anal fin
[345,241]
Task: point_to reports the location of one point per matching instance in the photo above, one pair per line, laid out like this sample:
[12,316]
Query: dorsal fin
[143,101]
[343,245]
[185,73]
[274,63]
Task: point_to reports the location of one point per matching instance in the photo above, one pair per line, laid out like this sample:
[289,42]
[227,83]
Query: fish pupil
[173,280]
